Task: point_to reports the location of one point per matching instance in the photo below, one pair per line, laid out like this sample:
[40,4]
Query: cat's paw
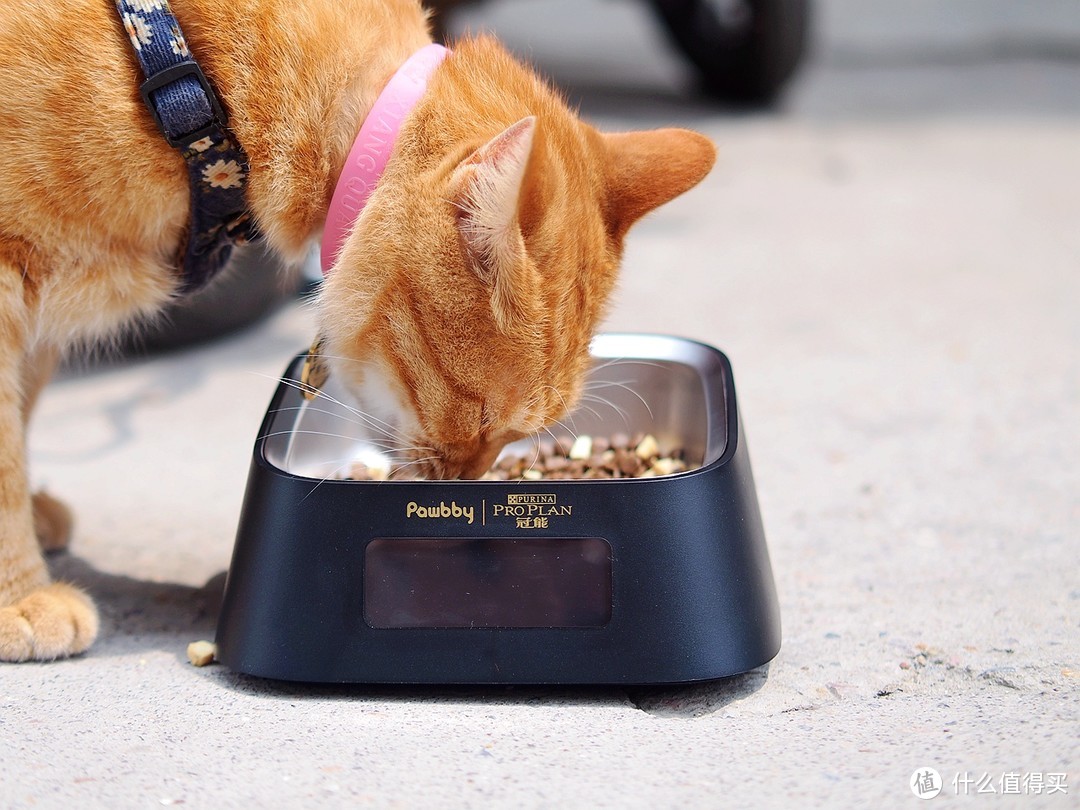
[52,522]
[52,622]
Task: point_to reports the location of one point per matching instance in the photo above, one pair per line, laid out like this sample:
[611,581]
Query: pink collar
[371,149]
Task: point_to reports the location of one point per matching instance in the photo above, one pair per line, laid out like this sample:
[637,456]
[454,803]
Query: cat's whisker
[549,432]
[611,361]
[371,421]
[420,460]
[335,414]
[599,400]
[396,470]
[333,476]
[582,404]
[565,407]
[402,449]
[564,426]
[624,361]
[536,456]
[392,444]
[628,389]
[274,433]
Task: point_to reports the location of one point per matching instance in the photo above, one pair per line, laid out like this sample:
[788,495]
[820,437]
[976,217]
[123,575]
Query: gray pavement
[891,262]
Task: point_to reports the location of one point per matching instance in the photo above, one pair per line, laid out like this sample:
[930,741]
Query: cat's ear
[486,191]
[646,169]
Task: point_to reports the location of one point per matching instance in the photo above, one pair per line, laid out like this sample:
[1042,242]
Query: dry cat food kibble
[202,653]
[620,456]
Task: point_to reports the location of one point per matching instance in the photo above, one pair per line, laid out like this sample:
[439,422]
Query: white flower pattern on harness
[179,47]
[137,30]
[145,5]
[223,174]
[178,43]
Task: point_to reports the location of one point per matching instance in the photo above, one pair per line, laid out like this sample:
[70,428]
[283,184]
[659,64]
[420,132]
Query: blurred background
[815,57]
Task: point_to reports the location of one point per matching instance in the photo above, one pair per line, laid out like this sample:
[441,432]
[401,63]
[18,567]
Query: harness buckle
[218,120]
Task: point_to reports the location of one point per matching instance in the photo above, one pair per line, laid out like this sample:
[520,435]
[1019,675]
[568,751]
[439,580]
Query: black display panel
[487,583]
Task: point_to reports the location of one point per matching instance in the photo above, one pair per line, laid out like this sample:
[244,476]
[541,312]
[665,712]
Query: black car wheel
[744,50]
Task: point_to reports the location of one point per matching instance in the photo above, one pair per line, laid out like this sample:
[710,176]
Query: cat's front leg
[52,518]
[39,619]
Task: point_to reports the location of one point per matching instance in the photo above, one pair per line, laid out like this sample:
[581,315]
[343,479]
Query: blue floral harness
[191,118]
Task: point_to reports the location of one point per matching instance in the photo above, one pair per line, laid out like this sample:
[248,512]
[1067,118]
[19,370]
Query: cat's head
[462,304]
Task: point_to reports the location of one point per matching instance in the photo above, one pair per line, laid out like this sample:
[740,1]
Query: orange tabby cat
[462,302]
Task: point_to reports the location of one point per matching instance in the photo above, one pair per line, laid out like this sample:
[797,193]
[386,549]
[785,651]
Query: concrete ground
[890,259]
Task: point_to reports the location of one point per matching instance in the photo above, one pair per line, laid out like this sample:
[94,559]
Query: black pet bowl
[630,581]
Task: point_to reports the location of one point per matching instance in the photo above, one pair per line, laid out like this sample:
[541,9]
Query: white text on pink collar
[372,147]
